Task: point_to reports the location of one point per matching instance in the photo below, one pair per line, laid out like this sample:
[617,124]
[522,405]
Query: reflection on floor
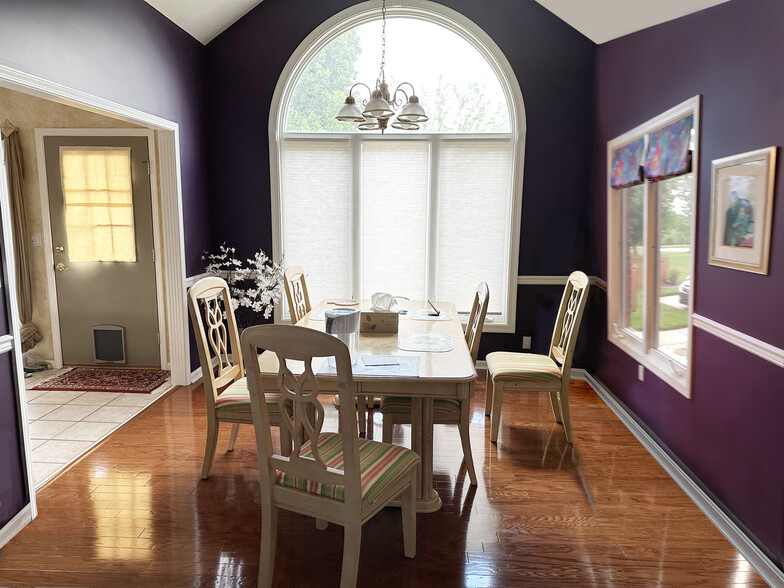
[64,425]
[601,512]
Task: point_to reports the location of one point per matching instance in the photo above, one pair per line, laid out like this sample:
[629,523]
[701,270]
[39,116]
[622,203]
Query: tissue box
[378,321]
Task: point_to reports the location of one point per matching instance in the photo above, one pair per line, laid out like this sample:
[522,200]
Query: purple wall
[554,67]
[13,487]
[127,52]
[730,433]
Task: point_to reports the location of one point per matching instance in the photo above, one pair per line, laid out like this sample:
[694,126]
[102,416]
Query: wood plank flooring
[598,513]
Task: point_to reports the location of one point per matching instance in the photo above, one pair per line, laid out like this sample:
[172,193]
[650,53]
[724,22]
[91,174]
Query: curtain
[668,150]
[626,170]
[13,165]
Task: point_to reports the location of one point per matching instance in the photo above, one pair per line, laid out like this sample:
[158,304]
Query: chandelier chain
[383,39]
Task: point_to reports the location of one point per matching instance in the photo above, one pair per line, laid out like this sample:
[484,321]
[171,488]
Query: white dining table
[444,374]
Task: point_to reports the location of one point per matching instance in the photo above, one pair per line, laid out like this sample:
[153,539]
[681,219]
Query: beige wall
[28,113]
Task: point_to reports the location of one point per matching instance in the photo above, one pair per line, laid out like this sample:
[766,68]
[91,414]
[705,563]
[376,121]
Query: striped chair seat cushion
[506,366]
[442,407]
[380,465]
[235,398]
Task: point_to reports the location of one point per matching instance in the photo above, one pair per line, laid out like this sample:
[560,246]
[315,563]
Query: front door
[104,264]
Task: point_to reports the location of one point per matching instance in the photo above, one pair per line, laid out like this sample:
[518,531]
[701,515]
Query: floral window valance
[668,151]
[627,165]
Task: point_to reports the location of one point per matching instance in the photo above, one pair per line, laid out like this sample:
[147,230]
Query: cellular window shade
[315,201]
[474,208]
[395,185]
[98,202]
[626,165]
[668,150]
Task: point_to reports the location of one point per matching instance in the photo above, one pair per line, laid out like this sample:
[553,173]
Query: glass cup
[343,323]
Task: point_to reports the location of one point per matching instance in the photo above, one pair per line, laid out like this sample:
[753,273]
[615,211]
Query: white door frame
[170,197]
[48,244]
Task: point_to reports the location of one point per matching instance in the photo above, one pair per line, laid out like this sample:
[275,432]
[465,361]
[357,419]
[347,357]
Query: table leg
[428,499]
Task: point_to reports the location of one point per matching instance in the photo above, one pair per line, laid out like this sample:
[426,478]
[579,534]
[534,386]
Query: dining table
[434,362]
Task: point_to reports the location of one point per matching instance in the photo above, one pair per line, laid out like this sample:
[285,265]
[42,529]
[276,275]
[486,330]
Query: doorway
[101,223]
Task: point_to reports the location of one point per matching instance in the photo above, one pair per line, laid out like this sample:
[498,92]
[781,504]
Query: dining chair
[296,293]
[333,477]
[223,377]
[446,411]
[534,372]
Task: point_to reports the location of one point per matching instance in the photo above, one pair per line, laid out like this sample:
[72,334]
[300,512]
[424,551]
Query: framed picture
[742,210]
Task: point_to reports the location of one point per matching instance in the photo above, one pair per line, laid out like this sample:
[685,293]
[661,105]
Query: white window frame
[643,349]
[460,25]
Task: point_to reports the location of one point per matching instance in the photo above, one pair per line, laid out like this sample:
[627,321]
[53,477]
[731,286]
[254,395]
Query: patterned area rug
[107,379]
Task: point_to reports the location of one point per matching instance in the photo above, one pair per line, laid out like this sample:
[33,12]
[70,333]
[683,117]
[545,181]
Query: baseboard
[16,524]
[766,568]
[195,376]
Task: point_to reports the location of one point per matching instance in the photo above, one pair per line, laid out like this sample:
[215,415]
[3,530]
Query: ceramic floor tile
[87,431]
[59,451]
[112,414]
[94,398]
[36,443]
[127,399]
[44,471]
[69,412]
[33,394]
[36,411]
[56,397]
[47,429]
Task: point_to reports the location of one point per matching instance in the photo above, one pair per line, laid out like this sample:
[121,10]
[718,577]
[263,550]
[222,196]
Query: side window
[651,199]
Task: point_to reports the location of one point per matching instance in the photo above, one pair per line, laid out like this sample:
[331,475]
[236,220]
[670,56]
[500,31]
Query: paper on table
[405,366]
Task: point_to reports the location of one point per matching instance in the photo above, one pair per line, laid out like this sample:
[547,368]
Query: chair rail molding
[766,351]
[557,281]
[6,343]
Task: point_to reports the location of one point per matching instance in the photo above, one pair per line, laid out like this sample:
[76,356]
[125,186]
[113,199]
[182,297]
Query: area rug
[107,379]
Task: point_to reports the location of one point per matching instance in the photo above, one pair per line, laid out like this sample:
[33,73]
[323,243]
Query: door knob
[61,267]
[59,249]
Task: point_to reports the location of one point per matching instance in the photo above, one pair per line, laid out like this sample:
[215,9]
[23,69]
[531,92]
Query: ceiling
[599,20]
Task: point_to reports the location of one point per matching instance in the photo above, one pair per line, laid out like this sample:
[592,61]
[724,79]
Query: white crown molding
[766,351]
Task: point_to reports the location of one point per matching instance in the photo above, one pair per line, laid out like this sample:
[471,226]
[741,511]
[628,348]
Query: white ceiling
[604,20]
[599,20]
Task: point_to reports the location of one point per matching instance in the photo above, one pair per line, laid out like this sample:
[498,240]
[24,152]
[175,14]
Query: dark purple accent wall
[4,330]
[730,433]
[14,494]
[554,67]
[127,52]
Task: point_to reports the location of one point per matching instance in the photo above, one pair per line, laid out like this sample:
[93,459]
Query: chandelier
[382,105]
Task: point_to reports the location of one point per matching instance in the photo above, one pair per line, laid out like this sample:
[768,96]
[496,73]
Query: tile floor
[63,425]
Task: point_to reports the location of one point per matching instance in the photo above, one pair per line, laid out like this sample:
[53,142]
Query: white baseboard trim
[759,348]
[758,560]
[195,375]
[16,524]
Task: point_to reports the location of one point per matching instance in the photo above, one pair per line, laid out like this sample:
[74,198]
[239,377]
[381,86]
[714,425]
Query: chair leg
[269,532]
[465,439]
[361,411]
[235,429]
[565,413]
[495,417]
[352,538]
[556,406]
[321,524]
[285,441]
[209,449]
[408,512]
[488,394]
[389,423]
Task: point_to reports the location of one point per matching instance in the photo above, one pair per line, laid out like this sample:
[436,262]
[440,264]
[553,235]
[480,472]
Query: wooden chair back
[215,329]
[302,415]
[296,293]
[476,320]
[567,324]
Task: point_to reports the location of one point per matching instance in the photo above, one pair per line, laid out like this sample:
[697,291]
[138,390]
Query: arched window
[424,214]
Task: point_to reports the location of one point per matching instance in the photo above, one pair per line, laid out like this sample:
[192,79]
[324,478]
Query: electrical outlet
[526,342]
[641,373]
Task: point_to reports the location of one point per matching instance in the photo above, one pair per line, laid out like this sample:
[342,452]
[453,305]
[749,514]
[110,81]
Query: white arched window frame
[503,321]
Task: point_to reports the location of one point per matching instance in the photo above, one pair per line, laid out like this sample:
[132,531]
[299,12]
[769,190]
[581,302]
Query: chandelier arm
[350,92]
[394,100]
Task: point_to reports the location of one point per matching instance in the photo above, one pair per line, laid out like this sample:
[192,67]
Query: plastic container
[343,323]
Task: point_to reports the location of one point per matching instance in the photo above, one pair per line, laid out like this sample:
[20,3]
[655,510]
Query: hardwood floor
[598,513]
